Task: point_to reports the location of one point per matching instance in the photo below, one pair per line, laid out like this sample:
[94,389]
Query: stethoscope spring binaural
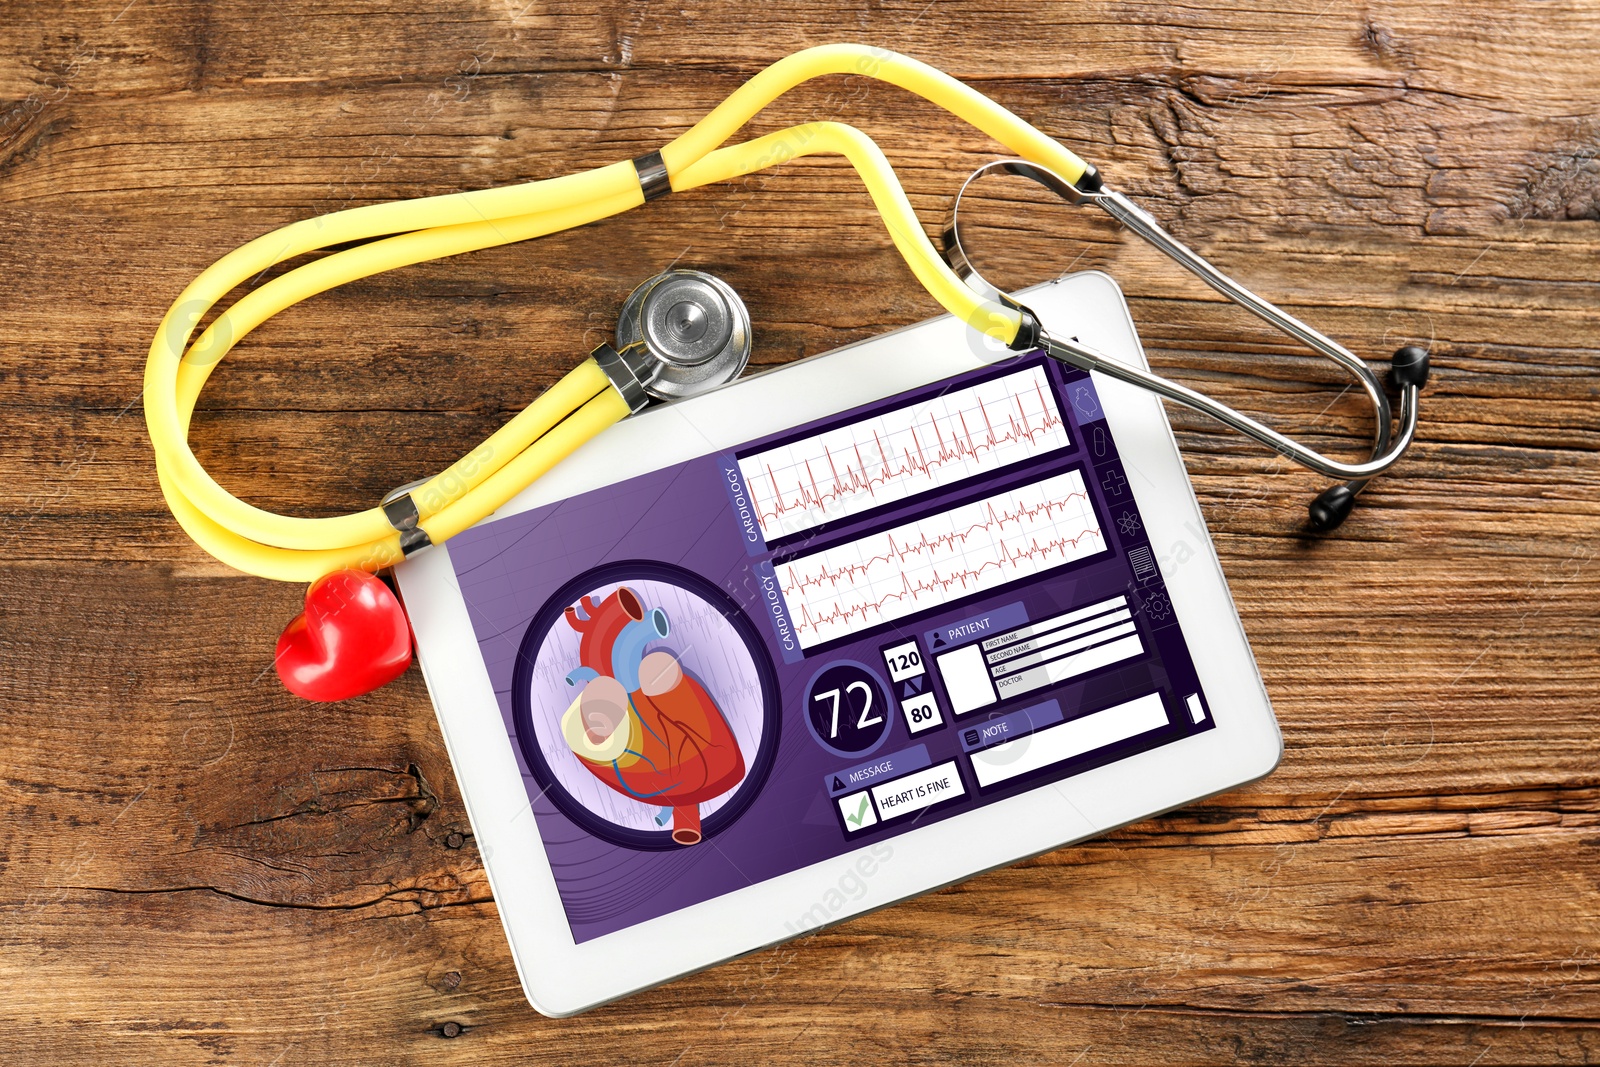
[1408,368]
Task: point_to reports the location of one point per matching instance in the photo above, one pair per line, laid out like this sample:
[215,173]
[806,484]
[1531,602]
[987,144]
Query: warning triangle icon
[837,785]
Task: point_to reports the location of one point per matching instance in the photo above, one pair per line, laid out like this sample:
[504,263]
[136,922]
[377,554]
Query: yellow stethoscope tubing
[293,548]
[930,83]
[515,439]
[303,565]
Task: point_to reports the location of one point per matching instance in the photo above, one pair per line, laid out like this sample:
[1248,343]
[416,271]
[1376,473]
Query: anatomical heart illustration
[637,717]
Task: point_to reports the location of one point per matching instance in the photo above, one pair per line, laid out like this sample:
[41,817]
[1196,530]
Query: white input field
[1058,635]
[917,791]
[1022,633]
[966,680]
[1059,670]
[1077,737]
[1122,627]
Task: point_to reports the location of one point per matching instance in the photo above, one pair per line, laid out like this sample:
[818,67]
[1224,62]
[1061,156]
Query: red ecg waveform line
[947,446]
[929,545]
[964,577]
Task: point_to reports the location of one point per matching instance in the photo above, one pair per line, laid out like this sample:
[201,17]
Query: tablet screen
[756,660]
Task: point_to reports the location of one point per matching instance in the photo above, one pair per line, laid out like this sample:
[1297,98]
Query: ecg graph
[903,452]
[938,558]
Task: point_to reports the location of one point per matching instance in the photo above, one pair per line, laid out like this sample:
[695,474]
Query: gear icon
[1158,608]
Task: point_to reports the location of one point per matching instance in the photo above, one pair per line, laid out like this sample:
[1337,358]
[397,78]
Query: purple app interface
[742,665]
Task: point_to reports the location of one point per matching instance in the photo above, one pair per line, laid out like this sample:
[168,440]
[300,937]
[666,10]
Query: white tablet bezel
[561,977]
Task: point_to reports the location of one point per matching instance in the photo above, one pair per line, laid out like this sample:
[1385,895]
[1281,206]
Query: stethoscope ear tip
[1331,507]
[1408,369]
[1410,366]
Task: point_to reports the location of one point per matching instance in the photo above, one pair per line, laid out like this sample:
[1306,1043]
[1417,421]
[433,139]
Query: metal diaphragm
[695,326]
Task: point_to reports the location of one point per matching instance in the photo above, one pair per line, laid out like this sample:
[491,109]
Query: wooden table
[196,867]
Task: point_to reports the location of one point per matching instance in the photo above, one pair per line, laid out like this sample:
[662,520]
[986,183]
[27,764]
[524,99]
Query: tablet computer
[834,635]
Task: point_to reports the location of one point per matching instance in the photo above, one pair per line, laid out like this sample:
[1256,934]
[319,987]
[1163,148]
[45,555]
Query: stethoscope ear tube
[1408,368]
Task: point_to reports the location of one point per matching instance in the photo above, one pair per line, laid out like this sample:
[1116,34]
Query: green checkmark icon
[860,814]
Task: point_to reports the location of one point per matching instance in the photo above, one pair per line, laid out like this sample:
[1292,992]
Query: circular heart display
[352,638]
[644,705]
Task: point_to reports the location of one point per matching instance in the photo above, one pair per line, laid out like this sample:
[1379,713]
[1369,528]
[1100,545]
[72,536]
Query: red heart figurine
[352,638]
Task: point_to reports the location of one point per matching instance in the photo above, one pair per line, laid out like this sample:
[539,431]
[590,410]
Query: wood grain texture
[197,868]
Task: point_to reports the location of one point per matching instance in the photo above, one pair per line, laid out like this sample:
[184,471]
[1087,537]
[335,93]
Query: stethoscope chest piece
[679,334]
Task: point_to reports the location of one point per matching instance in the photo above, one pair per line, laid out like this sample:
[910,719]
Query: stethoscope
[679,334]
